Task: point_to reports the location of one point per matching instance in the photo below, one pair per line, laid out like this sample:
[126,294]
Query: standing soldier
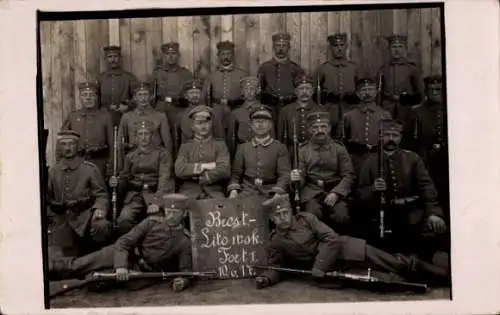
[402,84]
[94,125]
[169,78]
[261,166]
[296,113]
[77,196]
[278,75]
[336,79]
[360,127]
[131,121]
[222,87]
[146,176]
[412,211]
[115,85]
[430,138]
[203,162]
[325,173]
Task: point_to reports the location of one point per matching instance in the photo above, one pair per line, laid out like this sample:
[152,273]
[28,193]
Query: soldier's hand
[113,181]
[261,282]
[123,108]
[331,199]
[98,214]
[379,184]
[317,273]
[113,107]
[153,209]
[122,274]
[179,284]
[436,224]
[295,175]
[233,194]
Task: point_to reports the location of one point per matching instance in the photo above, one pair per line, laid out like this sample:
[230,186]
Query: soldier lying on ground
[302,241]
[158,243]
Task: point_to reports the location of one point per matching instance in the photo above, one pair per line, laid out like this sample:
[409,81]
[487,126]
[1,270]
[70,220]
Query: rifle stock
[296,185]
[114,197]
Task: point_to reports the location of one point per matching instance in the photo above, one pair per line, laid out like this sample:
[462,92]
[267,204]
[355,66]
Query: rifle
[61,287]
[155,92]
[382,229]
[368,279]
[234,138]
[318,92]
[296,185]
[115,166]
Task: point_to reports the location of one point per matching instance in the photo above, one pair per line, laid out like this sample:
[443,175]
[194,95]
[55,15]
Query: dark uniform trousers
[309,243]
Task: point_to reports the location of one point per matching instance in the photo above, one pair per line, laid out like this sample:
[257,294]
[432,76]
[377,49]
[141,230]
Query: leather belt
[259,181]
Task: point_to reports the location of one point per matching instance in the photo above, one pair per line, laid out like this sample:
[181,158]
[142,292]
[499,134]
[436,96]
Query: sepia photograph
[244,155]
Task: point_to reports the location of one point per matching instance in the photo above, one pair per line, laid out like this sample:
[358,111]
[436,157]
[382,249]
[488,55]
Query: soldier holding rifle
[412,210]
[302,241]
[158,243]
[261,166]
[325,173]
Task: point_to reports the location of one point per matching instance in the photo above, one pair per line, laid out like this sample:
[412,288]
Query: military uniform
[326,168]
[75,190]
[115,86]
[95,127]
[170,82]
[198,183]
[277,79]
[308,243]
[146,176]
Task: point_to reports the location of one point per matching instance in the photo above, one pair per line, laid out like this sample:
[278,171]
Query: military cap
[282,37]
[68,134]
[145,125]
[250,80]
[225,45]
[171,46]
[201,112]
[278,202]
[112,49]
[397,38]
[390,124]
[338,37]
[89,85]
[316,117]
[433,79]
[175,201]
[193,84]
[303,79]
[143,85]
[261,111]
[365,81]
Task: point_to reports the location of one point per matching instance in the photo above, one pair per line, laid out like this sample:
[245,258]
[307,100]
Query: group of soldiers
[330,154]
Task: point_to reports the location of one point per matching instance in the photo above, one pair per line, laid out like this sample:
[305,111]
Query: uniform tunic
[337,78]
[209,183]
[224,84]
[260,168]
[170,81]
[95,127]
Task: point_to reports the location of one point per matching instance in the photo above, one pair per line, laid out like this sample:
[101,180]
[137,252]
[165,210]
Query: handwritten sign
[228,236]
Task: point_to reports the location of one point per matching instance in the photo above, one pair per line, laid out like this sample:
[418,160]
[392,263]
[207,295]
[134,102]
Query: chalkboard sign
[228,236]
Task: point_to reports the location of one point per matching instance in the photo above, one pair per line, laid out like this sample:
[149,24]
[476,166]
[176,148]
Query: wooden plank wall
[72,50]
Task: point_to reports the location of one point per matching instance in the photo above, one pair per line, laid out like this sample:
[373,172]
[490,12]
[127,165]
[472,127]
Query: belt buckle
[321,183]
[258,182]
[223,101]
[145,187]
[168,99]
[369,147]
[437,146]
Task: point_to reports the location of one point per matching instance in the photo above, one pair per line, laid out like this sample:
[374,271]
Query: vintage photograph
[253,155]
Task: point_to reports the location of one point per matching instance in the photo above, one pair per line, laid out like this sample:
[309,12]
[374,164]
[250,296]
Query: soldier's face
[250,92]
[174,217]
[339,50]
[367,93]
[114,59]
[68,148]
[144,137]
[202,128]
[320,131]
[171,57]
[282,218]
[397,50]
[88,98]
[142,98]
[226,57]
[304,92]
[392,139]
[193,96]
[434,93]
[261,126]
[281,49]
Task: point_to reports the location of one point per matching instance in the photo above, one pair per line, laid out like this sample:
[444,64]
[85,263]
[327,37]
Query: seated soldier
[325,173]
[304,242]
[146,176]
[261,166]
[203,162]
[78,201]
[412,211]
[161,241]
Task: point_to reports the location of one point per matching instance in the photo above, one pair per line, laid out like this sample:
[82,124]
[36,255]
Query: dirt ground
[239,291]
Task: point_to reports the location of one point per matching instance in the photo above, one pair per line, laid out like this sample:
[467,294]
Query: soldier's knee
[125,223]
[100,231]
[313,207]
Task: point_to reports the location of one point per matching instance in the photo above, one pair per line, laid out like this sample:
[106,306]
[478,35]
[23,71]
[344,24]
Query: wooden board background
[72,50]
